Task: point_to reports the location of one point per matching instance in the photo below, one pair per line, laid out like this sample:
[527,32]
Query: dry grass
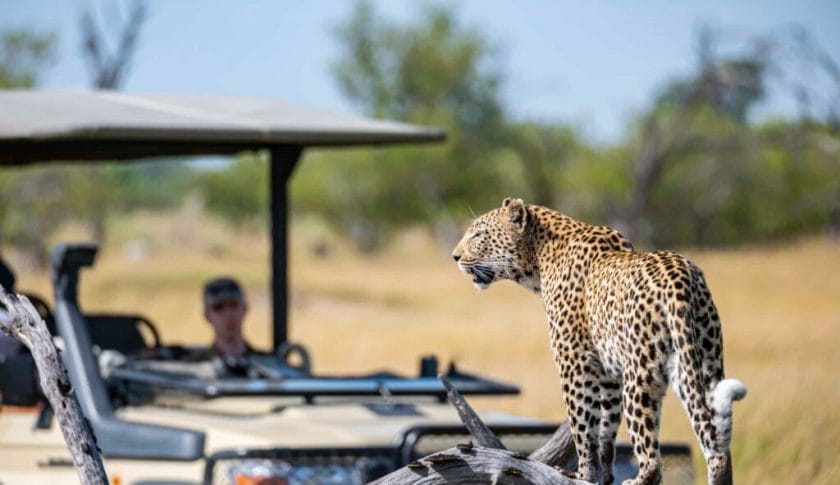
[780,307]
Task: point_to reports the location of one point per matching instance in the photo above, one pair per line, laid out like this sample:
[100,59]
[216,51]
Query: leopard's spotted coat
[623,325]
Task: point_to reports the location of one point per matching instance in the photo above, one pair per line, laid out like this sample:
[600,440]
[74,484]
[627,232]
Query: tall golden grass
[780,307]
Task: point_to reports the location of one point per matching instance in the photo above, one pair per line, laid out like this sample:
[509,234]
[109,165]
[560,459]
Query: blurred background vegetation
[692,169]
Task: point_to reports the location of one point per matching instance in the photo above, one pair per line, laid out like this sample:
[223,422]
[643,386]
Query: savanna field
[780,306]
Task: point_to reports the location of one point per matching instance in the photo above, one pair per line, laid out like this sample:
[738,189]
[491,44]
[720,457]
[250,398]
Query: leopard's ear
[517,214]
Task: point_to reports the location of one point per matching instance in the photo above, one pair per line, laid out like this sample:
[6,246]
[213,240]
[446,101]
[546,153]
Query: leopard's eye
[477,243]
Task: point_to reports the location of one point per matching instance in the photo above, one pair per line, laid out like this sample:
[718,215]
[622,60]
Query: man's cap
[220,290]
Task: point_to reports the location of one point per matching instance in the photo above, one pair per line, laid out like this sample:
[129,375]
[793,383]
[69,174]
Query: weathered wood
[558,450]
[482,434]
[490,462]
[20,320]
[475,466]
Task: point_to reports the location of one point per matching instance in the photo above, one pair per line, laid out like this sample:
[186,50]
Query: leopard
[623,325]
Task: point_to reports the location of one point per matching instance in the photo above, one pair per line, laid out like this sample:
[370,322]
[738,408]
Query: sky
[590,64]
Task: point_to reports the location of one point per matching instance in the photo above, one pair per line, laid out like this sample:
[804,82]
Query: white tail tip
[725,392]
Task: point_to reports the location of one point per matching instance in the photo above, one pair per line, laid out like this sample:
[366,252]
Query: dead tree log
[558,450]
[482,434]
[490,461]
[477,464]
[19,319]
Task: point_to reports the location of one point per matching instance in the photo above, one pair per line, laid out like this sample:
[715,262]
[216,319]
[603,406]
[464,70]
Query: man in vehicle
[225,308]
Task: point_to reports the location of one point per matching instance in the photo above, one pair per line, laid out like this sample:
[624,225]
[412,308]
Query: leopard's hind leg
[698,378]
[688,380]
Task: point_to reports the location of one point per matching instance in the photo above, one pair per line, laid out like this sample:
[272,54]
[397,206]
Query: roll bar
[116,438]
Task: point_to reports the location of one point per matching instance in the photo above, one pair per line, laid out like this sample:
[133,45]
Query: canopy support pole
[283,160]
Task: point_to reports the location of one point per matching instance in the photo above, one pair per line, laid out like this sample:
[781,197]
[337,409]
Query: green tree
[29,200]
[35,201]
[696,148]
[24,55]
[238,193]
[434,71]
[544,151]
[108,65]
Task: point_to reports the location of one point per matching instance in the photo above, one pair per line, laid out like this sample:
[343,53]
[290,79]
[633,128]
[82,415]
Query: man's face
[226,318]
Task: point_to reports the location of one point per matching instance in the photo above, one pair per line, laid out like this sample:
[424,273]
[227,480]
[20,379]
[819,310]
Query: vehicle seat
[7,281]
[123,333]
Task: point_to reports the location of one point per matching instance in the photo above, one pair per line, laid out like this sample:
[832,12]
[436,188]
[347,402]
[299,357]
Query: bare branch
[482,434]
[19,319]
[489,462]
[109,69]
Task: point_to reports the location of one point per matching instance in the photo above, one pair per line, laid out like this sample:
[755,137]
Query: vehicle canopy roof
[40,126]
[108,125]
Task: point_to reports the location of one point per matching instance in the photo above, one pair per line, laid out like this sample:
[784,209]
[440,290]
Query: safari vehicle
[159,419]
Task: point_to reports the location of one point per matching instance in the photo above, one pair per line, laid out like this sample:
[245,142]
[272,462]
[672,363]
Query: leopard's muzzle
[482,275]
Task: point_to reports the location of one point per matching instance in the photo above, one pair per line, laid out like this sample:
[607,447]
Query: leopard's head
[497,245]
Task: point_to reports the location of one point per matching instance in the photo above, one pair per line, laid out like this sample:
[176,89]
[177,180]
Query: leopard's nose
[456,257]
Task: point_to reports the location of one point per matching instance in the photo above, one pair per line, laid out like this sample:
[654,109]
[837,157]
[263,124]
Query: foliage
[434,72]
[24,54]
[697,150]
[694,168]
[239,193]
[27,204]
[35,201]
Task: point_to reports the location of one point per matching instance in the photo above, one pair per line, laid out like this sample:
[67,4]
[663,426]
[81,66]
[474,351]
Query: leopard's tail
[723,395]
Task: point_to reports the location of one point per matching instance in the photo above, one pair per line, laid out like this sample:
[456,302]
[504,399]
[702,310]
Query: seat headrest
[72,256]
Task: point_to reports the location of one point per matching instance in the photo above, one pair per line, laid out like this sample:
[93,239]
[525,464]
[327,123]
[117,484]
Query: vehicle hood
[271,423]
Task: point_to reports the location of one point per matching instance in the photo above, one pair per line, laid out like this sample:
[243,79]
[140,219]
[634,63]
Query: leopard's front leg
[583,405]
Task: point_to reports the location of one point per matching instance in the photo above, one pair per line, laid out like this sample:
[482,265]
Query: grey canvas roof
[90,125]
